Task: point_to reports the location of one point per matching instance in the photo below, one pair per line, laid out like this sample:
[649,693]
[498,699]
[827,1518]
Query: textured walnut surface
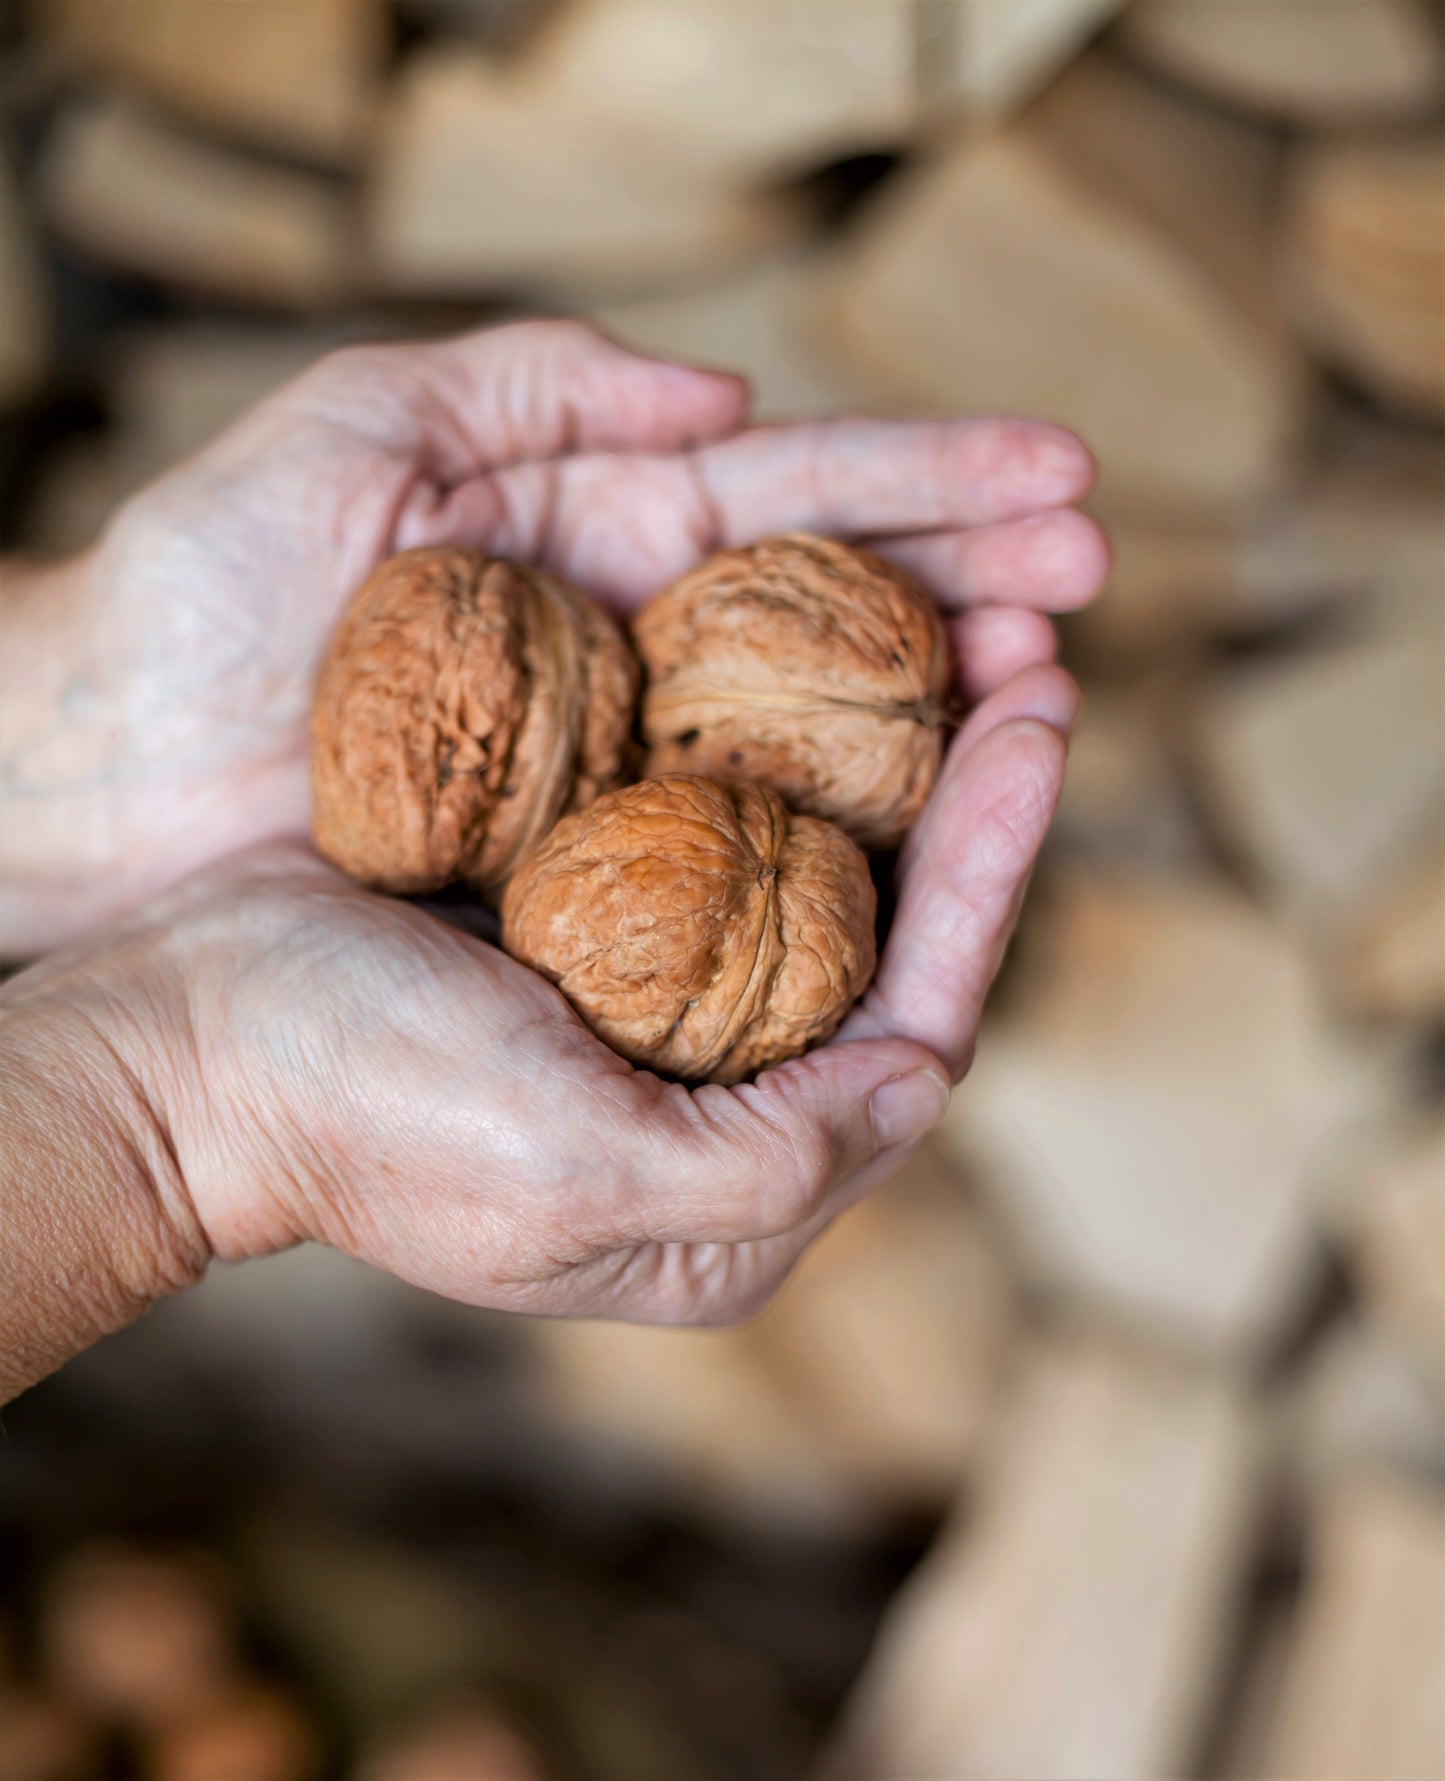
[699,928]
[811,667]
[465,704]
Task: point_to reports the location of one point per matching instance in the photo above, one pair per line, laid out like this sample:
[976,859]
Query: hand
[304,1059]
[167,725]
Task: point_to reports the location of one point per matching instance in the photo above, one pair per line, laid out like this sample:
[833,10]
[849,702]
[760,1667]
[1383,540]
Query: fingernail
[907,1107]
[1054,701]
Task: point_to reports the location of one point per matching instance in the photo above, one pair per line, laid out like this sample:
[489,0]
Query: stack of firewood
[1161,1320]
[140,1665]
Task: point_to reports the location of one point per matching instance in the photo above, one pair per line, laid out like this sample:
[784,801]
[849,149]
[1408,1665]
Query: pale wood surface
[1363,1697]
[1006,274]
[1072,1625]
[480,186]
[1148,1109]
[129,188]
[1364,262]
[994,58]
[1391,960]
[746,91]
[754,321]
[1392,1211]
[868,1385]
[300,75]
[1328,766]
[1311,61]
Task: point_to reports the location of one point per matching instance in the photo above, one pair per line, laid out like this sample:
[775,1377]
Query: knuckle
[559,334]
[739,1299]
[706,1285]
[347,364]
[806,1170]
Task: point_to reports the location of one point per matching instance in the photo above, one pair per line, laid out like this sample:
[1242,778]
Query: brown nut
[809,667]
[699,928]
[457,1744]
[251,1733]
[41,1741]
[134,1637]
[466,702]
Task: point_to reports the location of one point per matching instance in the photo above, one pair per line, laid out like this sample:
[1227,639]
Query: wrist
[96,1222]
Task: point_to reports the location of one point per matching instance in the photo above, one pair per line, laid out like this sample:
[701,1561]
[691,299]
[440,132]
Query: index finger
[856,477]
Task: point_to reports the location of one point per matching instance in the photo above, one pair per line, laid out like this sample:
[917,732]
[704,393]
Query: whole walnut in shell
[465,704]
[699,928]
[808,666]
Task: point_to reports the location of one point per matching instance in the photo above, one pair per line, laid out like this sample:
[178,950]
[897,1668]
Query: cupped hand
[323,1063]
[181,735]
[318,1062]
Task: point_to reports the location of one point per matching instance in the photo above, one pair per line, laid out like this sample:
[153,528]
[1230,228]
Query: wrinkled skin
[329,1064]
[810,666]
[699,928]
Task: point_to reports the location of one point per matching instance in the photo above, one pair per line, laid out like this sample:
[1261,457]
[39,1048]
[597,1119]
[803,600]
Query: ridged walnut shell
[701,929]
[465,704]
[808,666]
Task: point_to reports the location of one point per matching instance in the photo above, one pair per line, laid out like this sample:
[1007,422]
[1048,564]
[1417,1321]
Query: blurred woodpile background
[1110,1442]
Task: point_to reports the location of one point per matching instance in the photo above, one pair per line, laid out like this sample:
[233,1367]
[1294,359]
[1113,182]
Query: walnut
[699,928]
[809,667]
[465,704]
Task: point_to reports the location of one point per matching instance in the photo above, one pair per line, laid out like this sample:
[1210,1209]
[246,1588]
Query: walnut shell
[700,929]
[466,703]
[809,667]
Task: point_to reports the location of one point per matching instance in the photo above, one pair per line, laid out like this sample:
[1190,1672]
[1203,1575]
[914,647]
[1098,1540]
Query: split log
[1390,962]
[751,90]
[891,1339]
[1169,587]
[480,187]
[1073,1626]
[1124,798]
[1104,262]
[1360,1405]
[754,322]
[696,1413]
[1147,1112]
[1364,263]
[1367,532]
[170,390]
[1326,766]
[993,58]
[1392,1213]
[1314,62]
[299,76]
[24,332]
[1238,1746]
[134,1639]
[128,188]
[867,1387]
[41,1741]
[1363,1697]
[252,1734]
